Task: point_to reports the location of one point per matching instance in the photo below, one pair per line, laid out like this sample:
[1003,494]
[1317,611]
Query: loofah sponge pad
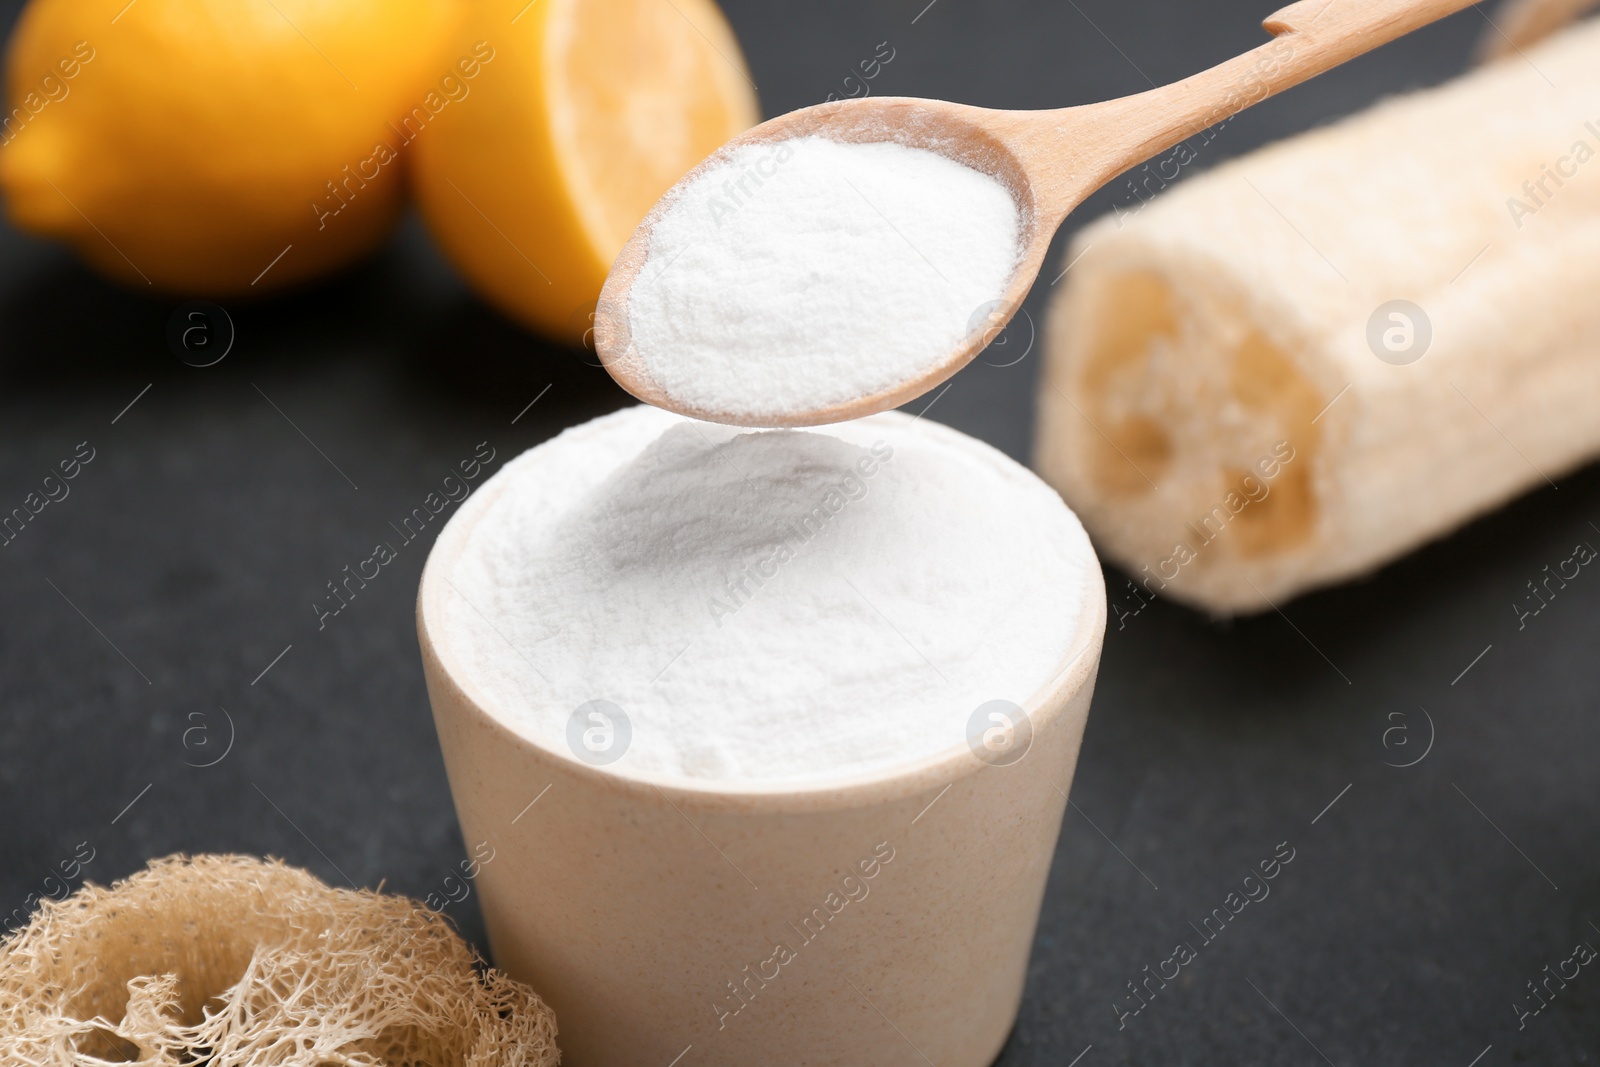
[239,962]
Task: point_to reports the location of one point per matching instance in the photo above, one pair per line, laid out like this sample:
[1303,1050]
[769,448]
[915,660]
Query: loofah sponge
[1193,408]
[239,962]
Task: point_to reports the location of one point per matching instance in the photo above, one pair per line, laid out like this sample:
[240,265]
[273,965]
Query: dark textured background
[197,539]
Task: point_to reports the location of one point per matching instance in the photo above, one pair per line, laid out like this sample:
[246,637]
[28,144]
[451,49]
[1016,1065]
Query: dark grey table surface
[177,580]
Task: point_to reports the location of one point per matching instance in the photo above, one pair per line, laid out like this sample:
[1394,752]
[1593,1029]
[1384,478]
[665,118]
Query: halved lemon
[579,115]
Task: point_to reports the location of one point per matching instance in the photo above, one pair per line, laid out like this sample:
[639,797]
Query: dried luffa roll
[1308,361]
[1517,24]
[232,961]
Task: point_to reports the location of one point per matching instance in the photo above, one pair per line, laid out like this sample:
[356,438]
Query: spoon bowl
[958,131]
[1049,161]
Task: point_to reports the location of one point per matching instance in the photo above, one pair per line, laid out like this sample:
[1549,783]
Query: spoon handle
[1309,37]
[1333,31]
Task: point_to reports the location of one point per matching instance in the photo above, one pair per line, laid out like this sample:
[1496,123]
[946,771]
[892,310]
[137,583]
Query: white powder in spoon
[772,605]
[808,273]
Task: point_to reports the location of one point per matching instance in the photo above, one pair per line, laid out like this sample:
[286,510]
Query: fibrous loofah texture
[237,962]
[1196,362]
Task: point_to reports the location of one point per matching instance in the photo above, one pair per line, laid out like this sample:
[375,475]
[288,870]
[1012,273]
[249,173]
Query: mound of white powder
[760,606]
[807,273]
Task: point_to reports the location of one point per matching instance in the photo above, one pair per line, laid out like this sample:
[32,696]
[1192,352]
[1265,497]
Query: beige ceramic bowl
[871,920]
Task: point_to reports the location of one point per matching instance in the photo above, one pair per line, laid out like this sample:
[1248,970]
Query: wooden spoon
[1050,161]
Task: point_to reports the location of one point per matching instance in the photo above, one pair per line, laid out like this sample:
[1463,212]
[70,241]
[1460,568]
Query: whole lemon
[215,147]
[584,113]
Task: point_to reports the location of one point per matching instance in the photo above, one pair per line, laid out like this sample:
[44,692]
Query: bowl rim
[859,788]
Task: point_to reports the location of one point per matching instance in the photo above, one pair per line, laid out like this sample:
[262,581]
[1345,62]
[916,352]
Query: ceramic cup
[876,919]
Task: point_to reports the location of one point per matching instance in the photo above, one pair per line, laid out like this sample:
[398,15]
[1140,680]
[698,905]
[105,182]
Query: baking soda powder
[685,600]
[808,273]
